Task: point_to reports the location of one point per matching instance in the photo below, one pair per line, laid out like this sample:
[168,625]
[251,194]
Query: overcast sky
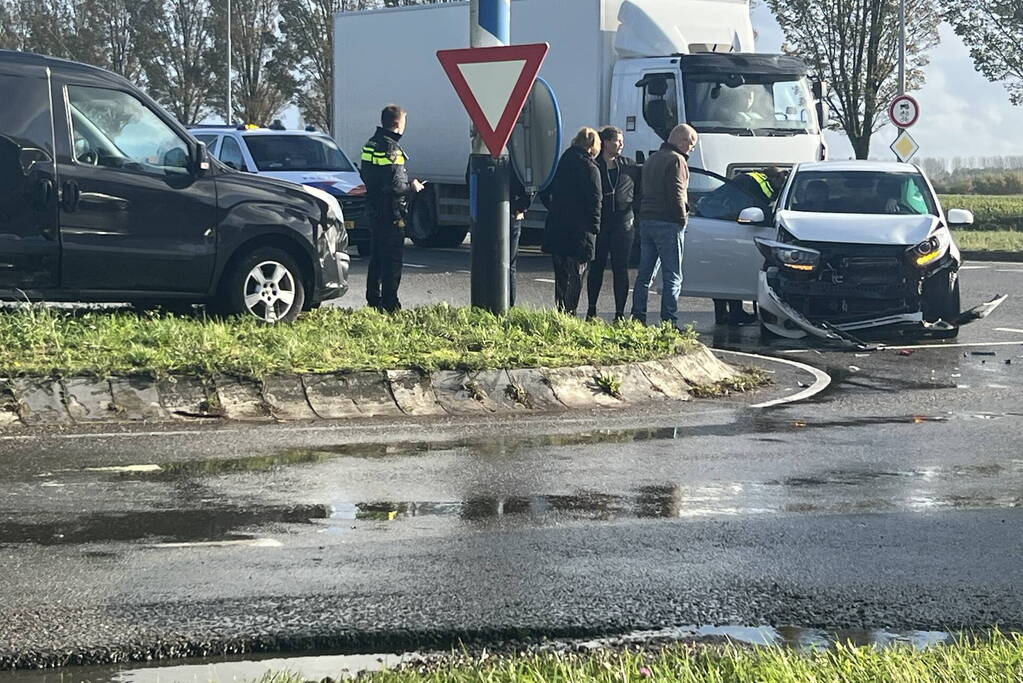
[973,117]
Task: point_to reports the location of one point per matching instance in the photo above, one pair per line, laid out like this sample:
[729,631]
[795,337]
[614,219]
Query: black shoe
[740,318]
[619,317]
[591,316]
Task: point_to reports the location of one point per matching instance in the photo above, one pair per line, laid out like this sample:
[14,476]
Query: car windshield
[296,153]
[766,105]
[871,192]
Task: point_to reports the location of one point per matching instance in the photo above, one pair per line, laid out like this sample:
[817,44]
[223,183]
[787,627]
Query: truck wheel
[266,284]
[941,301]
[423,225]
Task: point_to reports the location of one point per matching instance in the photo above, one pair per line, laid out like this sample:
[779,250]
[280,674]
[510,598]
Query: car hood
[856,228]
[341,183]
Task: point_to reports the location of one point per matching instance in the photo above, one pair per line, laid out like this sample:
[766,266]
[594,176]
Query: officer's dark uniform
[387,193]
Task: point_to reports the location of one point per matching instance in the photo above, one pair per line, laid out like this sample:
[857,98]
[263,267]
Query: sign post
[493,84]
[904,111]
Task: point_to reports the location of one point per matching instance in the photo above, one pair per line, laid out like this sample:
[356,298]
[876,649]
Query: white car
[849,248]
[303,157]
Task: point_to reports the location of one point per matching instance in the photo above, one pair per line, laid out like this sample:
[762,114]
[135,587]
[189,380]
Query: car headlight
[789,256]
[930,250]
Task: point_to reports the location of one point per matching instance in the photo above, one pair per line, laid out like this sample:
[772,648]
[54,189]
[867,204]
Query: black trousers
[568,283]
[513,245]
[616,244]
[387,250]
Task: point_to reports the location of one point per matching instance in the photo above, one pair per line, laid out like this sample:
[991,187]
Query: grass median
[989,240]
[40,341]
[999,658]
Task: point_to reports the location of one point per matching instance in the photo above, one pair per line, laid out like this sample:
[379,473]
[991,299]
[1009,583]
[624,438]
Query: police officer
[762,187]
[389,194]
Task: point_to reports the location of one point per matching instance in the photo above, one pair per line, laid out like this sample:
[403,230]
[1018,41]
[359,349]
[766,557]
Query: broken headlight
[930,250]
[789,256]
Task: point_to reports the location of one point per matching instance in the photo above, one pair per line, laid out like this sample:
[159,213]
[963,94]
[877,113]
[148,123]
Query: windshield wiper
[727,129]
[783,132]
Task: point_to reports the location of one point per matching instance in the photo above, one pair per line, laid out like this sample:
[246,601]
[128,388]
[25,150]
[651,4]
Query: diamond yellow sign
[905,146]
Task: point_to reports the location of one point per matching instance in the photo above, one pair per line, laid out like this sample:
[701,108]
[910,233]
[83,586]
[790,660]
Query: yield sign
[493,84]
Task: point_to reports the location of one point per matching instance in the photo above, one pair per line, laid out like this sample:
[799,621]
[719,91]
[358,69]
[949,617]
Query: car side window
[718,198]
[113,129]
[231,154]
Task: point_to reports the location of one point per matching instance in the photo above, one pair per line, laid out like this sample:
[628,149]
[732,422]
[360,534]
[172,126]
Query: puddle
[172,526]
[340,667]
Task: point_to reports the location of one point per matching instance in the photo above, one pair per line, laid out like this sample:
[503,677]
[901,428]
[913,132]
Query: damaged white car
[862,247]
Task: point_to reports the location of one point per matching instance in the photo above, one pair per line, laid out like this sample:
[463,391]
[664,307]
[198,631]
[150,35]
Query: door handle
[70,196]
[43,194]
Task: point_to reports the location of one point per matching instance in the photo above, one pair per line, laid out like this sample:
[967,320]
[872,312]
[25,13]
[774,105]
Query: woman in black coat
[621,189]
[573,217]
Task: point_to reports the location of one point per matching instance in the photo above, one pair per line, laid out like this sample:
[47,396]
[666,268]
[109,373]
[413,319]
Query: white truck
[641,65]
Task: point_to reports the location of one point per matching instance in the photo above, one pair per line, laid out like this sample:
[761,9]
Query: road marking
[125,468]
[245,542]
[416,265]
[821,379]
[1008,329]
[464,272]
[1008,270]
[550,282]
[974,267]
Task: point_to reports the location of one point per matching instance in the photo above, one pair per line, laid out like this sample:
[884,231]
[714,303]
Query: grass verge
[45,341]
[999,658]
[989,240]
[990,212]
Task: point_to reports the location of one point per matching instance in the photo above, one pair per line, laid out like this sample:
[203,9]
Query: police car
[305,157]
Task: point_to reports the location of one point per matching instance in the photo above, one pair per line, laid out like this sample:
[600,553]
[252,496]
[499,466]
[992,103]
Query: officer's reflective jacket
[386,177]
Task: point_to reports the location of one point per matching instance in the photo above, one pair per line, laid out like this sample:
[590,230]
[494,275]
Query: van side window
[113,129]
[660,103]
[231,154]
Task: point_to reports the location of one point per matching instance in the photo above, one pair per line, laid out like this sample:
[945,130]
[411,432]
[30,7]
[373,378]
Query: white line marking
[925,346]
[540,279]
[416,265]
[1008,329]
[247,542]
[973,267]
[821,379]
[1008,270]
[464,272]
[125,468]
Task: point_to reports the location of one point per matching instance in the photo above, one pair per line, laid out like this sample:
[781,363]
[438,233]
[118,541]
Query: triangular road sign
[493,84]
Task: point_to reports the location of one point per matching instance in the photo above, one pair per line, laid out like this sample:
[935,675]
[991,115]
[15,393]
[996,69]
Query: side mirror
[202,159]
[960,217]
[752,215]
[640,158]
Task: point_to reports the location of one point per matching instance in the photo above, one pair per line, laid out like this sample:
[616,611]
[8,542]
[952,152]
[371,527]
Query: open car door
[720,259]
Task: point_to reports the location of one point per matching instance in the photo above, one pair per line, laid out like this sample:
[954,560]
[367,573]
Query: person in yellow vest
[763,188]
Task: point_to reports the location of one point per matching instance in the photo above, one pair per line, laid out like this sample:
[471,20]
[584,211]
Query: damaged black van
[105,197]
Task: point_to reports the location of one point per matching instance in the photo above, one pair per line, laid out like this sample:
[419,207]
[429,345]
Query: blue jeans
[660,245]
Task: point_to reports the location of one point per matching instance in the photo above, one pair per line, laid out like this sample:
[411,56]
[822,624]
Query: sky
[973,117]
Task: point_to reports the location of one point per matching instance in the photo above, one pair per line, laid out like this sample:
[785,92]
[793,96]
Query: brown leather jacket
[665,186]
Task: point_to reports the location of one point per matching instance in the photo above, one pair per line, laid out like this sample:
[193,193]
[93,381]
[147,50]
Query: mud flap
[981,311]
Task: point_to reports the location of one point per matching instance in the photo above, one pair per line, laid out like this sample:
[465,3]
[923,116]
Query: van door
[29,241]
[647,102]
[135,216]
[720,259]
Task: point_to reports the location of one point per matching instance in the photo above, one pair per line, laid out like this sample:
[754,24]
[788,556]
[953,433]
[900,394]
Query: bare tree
[263,79]
[853,44]
[179,72]
[122,33]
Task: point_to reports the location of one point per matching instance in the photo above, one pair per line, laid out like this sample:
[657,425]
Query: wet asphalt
[892,500]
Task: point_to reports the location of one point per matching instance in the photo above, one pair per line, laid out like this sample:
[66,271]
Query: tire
[423,225]
[941,301]
[265,283]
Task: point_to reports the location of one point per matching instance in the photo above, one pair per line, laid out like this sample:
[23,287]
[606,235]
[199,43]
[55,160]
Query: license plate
[349,225]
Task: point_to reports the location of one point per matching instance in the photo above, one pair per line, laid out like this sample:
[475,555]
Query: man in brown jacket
[662,218]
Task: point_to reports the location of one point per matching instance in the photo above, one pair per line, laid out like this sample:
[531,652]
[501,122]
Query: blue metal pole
[489,178]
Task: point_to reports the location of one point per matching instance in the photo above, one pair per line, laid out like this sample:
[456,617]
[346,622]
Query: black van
[105,197]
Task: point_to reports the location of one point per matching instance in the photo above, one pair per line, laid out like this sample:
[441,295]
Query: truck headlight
[930,250]
[789,256]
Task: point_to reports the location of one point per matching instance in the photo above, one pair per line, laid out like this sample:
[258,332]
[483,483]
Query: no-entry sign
[493,84]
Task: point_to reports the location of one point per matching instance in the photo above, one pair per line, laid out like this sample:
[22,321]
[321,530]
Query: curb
[994,256]
[34,402]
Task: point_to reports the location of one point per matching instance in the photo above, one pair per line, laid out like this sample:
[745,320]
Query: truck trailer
[641,65]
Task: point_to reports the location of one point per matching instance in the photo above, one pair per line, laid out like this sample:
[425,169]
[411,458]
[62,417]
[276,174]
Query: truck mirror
[640,158]
[201,159]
